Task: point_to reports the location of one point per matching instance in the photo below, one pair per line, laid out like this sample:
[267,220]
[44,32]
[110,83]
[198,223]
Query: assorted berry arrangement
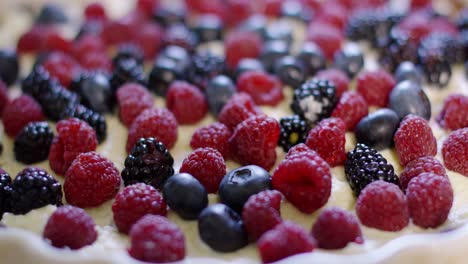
[119,66]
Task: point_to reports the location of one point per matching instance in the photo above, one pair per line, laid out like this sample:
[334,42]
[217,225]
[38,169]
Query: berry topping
[218,91]
[377,129]
[375,86]
[237,109]
[337,78]
[351,108]
[19,112]
[264,89]
[409,98]
[94,91]
[33,142]
[186,102]
[418,166]
[214,136]
[294,131]
[454,115]
[94,119]
[455,151]
[132,99]
[239,45]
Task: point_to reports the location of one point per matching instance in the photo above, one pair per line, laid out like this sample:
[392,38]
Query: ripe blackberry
[37,82]
[34,188]
[149,162]
[360,26]
[364,165]
[293,131]
[55,100]
[94,119]
[32,144]
[5,190]
[204,67]
[128,51]
[397,49]
[127,70]
[435,63]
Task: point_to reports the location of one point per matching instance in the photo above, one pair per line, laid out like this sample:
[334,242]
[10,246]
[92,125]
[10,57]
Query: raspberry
[414,139]
[134,202]
[375,86]
[265,89]
[206,165]
[186,102]
[239,45]
[254,141]
[91,180]
[239,107]
[159,123]
[70,227]
[455,151]
[95,11]
[96,61]
[305,180]
[299,149]
[4,99]
[156,239]
[94,119]
[416,26]
[261,213]
[326,36]
[62,67]
[19,112]
[382,205]
[272,8]
[454,114]
[214,136]
[74,136]
[116,32]
[149,38]
[132,99]
[55,42]
[239,10]
[87,44]
[335,228]
[33,40]
[418,166]
[337,77]
[351,108]
[285,240]
[419,3]
[328,140]
[147,6]
[334,14]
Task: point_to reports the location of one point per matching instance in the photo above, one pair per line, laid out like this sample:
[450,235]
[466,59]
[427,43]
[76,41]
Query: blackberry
[149,162]
[163,73]
[94,119]
[398,48]
[94,91]
[37,82]
[127,70]
[56,100]
[293,131]
[5,192]
[360,26]
[34,188]
[364,165]
[314,100]
[203,68]
[32,144]
[128,51]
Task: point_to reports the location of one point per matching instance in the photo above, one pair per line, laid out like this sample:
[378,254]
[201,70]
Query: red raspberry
[455,151]
[261,213]
[328,140]
[74,137]
[4,98]
[33,40]
[147,6]
[285,240]
[156,239]
[237,109]
[19,112]
[265,89]
[418,166]
[62,67]
[419,3]
[326,36]
[217,7]
[70,227]
[96,61]
[312,4]
[414,139]
[314,176]
[158,123]
[149,38]
[444,26]
[238,11]
[333,13]
[382,205]
[430,199]
[272,8]
[116,32]
[416,25]
[454,115]
[87,44]
[351,108]
[132,99]
[335,228]
[134,202]
[254,141]
[207,165]
[214,136]
[186,102]
[375,86]
[95,11]
[337,77]
[55,42]
[91,180]
[300,149]
[239,45]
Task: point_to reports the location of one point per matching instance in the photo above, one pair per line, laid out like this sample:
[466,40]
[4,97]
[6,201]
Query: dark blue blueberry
[218,91]
[248,64]
[279,30]
[51,14]
[377,129]
[95,91]
[238,185]
[168,15]
[163,73]
[312,58]
[221,228]
[290,71]
[9,66]
[177,54]
[350,59]
[408,97]
[180,35]
[296,10]
[273,51]
[185,195]
[408,71]
[255,24]
[208,28]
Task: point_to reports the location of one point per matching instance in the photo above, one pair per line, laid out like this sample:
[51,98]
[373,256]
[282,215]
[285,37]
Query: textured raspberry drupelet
[254,141]
[418,166]
[454,115]
[455,151]
[261,213]
[430,199]
[70,227]
[19,112]
[239,45]
[158,123]
[207,165]
[351,108]
[186,102]
[156,239]
[300,149]
[264,88]
[328,140]
[134,202]
[414,139]
[382,205]
[337,77]
[62,67]
[74,136]
[285,240]
[4,99]
[91,180]
[133,99]
[215,136]
[335,228]
[237,109]
[326,36]
[375,86]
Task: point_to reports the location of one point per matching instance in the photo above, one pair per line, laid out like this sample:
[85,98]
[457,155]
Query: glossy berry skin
[32,144]
[178,54]
[377,129]
[312,57]
[221,228]
[180,35]
[218,91]
[94,91]
[163,73]
[278,30]
[169,15]
[239,184]
[204,66]
[349,59]
[5,192]
[408,71]
[51,14]
[408,98]
[248,64]
[208,28]
[185,195]
[9,66]
[290,71]
[294,131]
[255,23]
[272,51]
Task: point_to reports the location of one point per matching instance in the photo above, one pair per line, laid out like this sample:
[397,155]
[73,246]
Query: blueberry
[350,59]
[51,14]
[408,71]
[408,97]
[221,228]
[290,71]
[208,28]
[185,195]
[9,66]
[312,57]
[163,73]
[296,10]
[218,92]
[95,92]
[279,30]
[238,185]
[376,130]
[177,54]
[273,51]
[255,24]
[169,15]
[180,35]
[248,64]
